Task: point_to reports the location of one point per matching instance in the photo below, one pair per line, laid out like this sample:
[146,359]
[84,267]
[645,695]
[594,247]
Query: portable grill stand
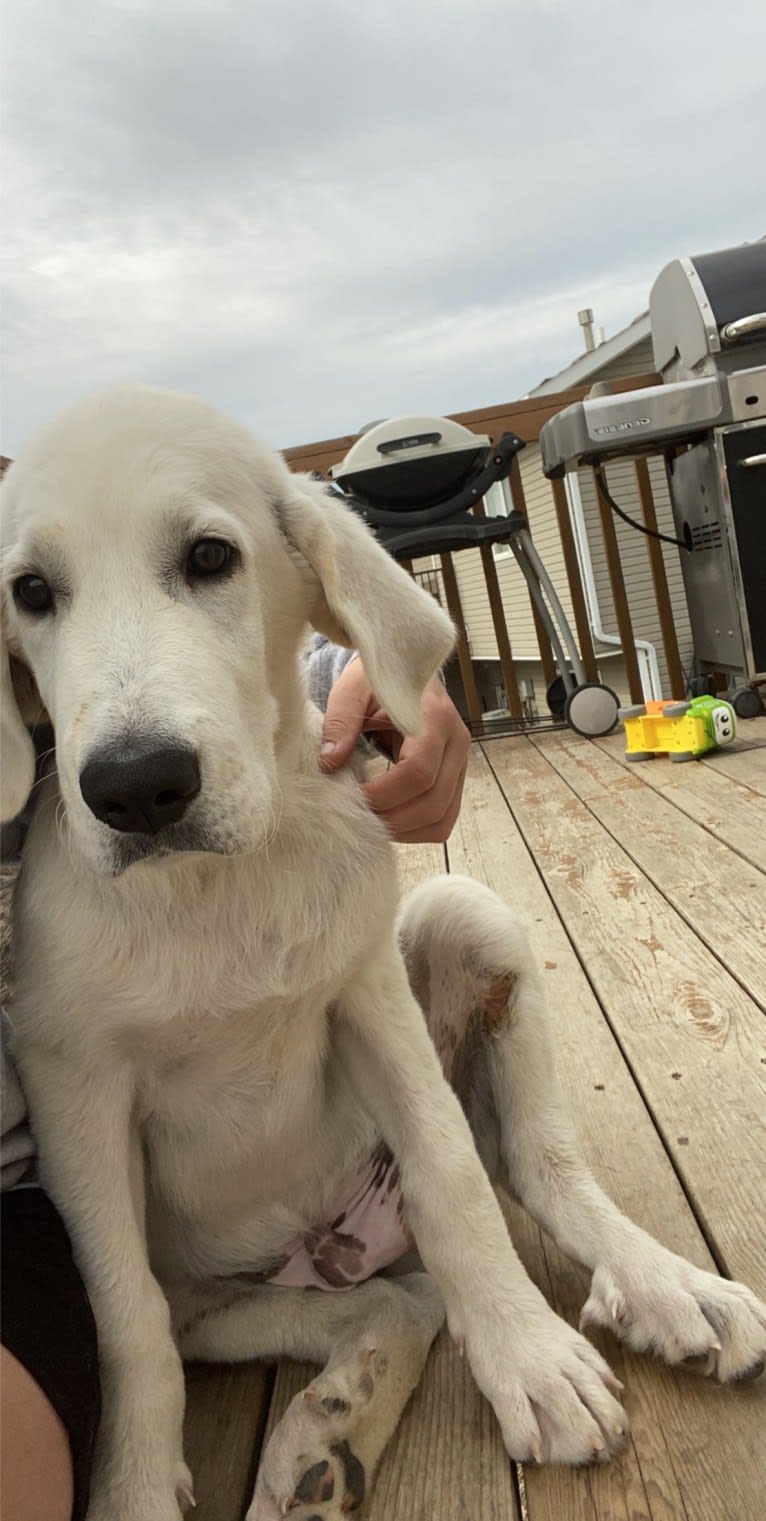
[425,457]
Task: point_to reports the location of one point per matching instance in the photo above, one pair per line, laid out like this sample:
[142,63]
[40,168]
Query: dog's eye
[33,594]
[209,557]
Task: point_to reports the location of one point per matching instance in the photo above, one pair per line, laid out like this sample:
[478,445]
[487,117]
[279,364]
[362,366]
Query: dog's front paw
[553,1394]
[663,1304]
[133,1500]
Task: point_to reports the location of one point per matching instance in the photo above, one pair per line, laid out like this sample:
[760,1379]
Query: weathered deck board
[717,800]
[690,1032]
[721,897]
[417,862]
[447,1458]
[745,761]
[622,1144]
[226,1411]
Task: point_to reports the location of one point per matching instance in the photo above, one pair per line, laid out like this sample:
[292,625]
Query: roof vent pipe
[585,319]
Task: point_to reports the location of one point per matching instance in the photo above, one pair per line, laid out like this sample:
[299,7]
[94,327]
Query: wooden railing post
[579,609]
[543,642]
[661,589]
[619,595]
[500,623]
[455,609]
[510,679]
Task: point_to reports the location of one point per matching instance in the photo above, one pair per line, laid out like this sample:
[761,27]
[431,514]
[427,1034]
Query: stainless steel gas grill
[708,323]
[415,479]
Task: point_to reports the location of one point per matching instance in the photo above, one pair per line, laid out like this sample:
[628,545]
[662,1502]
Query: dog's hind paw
[326,1488]
[688,1317]
[310,1469]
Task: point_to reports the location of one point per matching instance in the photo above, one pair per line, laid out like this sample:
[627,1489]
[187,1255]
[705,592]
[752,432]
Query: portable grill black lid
[412,462]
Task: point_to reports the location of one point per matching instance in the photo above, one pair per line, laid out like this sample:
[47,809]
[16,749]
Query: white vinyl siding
[636,361]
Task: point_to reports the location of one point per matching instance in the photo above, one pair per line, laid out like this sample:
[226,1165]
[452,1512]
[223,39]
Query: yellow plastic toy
[681,730]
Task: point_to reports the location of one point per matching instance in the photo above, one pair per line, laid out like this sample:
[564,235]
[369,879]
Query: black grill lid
[709,312]
[734,281]
[411,462]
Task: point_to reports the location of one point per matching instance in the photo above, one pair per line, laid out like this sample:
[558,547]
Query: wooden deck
[644,889]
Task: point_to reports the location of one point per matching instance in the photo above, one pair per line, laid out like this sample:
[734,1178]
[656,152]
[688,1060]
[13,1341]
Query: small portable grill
[415,479]
[708,323]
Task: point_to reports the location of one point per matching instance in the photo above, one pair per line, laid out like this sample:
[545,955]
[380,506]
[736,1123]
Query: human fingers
[348,705]
[421,759]
[421,794]
[438,832]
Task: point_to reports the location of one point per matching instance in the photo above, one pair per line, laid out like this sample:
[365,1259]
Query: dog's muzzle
[140,788]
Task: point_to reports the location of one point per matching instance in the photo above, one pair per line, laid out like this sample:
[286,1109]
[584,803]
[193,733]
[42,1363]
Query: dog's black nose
[140,789]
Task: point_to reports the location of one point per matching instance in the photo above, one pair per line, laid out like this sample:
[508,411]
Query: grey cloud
[317,213]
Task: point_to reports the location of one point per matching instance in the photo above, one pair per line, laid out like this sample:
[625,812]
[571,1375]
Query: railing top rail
[525,417]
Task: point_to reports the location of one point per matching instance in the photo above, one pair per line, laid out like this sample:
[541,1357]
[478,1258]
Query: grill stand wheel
[747,703]
[592,710]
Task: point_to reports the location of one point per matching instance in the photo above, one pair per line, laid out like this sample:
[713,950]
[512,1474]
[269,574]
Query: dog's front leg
[551,1391]
[92,1167]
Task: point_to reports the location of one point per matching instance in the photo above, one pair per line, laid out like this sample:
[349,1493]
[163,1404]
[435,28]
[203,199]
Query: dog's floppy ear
[361,598]
[17,755]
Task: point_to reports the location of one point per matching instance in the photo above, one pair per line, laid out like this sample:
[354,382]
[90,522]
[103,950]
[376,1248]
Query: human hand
[419,797]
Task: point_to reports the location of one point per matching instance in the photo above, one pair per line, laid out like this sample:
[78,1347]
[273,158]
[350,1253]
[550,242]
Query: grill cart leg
[588,707]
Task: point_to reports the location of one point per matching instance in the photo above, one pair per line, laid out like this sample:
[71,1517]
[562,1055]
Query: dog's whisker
[38,782]
[47,804]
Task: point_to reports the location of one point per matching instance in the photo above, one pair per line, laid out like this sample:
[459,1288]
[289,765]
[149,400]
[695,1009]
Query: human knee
[37,1474]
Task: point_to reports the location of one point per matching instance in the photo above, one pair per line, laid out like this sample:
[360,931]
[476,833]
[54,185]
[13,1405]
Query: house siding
[636,361]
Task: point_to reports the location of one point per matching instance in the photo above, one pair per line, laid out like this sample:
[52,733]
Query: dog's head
[158,569]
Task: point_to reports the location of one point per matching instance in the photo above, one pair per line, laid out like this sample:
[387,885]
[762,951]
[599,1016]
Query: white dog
[220,1027]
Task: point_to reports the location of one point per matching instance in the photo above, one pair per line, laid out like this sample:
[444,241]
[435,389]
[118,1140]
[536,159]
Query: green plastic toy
[681,730]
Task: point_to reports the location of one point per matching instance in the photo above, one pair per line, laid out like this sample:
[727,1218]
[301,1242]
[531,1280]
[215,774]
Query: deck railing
[526,418]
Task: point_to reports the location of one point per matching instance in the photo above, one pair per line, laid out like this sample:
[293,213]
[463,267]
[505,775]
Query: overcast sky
[319,212]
